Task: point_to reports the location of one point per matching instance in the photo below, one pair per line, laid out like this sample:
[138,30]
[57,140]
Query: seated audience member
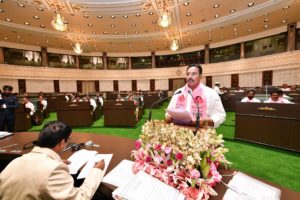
[250,97]
[42,174]
[28,105]
[42,102]
[284,97]
[67,98]
[77,99]
[275,98]
[119,98]
[294,88]
[217,88]
[285,87]
[239,89]
[92,102]
[99,99]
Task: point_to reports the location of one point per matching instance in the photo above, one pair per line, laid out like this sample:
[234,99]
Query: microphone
[197,125]
[156,102]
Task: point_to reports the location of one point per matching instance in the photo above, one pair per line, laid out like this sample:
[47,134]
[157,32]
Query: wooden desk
[269,124]
[121,149]
[22,119]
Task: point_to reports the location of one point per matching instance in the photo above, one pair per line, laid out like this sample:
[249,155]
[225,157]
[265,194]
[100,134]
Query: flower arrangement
[181,159]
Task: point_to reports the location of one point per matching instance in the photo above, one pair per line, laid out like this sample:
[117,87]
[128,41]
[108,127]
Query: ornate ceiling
[131,25]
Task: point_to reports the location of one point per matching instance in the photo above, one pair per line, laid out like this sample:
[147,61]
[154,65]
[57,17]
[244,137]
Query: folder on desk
[180,116]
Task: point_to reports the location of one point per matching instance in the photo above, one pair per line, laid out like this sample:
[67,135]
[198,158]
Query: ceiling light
[186,3]
[133,25]
[1,10]
[188,14]
[94,32]
[9,20]
[209,36]
[125,16]
[251,4]
[90,25]
[136,32]
[82,31]
[40,9]
[266,20]
[113,17]
[190,23]
[138,15]
[42,26]
[235,29]
[150,13]
[266,26]
[5,38]
[27,23]
[113,25]
[116,33]
[99,16]
[77,49]
[70,30]
[222,37]
[18,36]
[235,34]
[217,15]
[104,32]
[85,16]
[286,7]
[47,41]
[58,23]
[249,30]
[21,5]
[174,45]
[165,19]
[216,6]
[232,11]
[126,33]
[35,17]
[157,29]
[283,21]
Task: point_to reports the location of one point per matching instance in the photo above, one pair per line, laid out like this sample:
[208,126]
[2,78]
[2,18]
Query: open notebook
[4,134]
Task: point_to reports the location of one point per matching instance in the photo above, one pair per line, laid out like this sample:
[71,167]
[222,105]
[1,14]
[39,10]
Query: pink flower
[179,156]
[168,150]
[169,162]
[148,159]
[195,174]
[138,144]
[158,147]
[191,193]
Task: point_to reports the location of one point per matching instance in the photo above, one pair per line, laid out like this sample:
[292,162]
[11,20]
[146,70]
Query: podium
[149,99]
[75,114]
[22,119]
[119,113]
[54,102]
[275,125]
[229,100]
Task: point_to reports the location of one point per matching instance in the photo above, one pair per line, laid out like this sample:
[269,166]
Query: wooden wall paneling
[116,85]
[267,78]
[152,84]
[134,85]
[56,85]
[79,86]
[234,80]
[208,81]
[22,85]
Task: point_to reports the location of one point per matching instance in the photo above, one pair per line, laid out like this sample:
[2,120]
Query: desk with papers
[118,146]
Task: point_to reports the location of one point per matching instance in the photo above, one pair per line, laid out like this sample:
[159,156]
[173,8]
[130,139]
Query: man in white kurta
[29,105]
[212,113]
[250,98]
[41,174]
[275,98]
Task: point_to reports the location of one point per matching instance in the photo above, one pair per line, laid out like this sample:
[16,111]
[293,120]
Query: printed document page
[244,187]
[121,174]
[91,163]
[144,186]
[79,158]
[180,116]
[4,134]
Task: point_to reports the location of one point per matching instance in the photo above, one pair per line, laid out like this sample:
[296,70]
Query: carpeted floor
[279,166]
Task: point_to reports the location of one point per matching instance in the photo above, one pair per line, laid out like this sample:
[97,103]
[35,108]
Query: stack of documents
[4,134]
[89,158]
[144,186]
[244,187]
[180,116]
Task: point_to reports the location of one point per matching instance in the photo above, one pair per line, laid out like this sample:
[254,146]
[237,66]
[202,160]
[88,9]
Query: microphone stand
[197,125]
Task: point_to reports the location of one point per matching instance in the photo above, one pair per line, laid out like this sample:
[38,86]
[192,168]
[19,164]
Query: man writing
[41,174]
[195,93]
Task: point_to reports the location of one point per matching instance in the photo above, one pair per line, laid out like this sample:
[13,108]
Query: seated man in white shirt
[99,99]
[285,87]
[195,95]
[275,98]
[42,102]
[250,97]
[217,88]
[28,105]
[92,102]
[42,174]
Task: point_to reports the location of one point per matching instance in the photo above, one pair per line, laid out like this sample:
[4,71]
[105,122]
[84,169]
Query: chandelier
[77,49]
[174,45]
[58,23]
[165,18]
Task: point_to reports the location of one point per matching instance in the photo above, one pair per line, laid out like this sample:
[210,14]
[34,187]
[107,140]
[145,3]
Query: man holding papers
[193,95]
[41,174]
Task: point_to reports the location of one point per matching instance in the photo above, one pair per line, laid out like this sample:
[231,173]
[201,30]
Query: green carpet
[278,166]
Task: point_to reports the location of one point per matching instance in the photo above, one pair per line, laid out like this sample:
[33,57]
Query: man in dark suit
[8,104]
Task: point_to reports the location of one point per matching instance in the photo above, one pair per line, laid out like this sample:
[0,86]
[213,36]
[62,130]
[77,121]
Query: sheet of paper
[124,170]
[79,158]
[91,162]
[245,187]
[4,134]
[180,116]
[143,186]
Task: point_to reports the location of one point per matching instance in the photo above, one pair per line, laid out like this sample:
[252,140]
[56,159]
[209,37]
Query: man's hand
[168,119]
[206,122]
[100,164]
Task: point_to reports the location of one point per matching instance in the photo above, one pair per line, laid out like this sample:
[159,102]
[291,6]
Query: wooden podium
[119,113]
[75,114]
[275,125]
[22,119]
